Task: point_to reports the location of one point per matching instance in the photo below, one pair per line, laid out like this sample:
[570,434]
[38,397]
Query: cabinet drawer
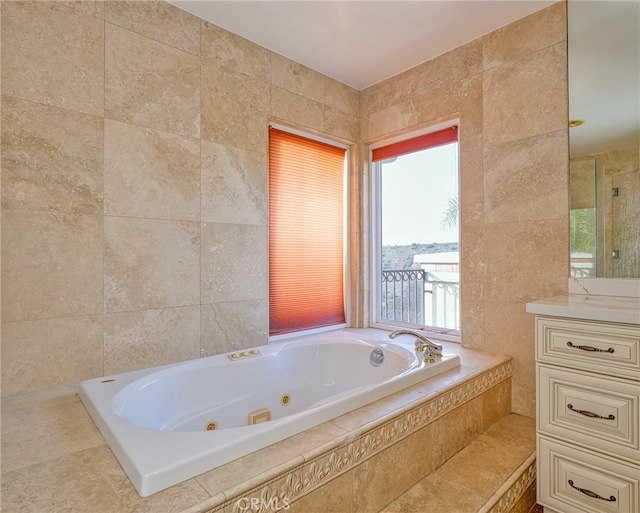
[574,481]
[599,413]
[603,348]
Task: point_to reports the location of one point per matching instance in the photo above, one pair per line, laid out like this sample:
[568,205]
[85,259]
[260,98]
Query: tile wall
[134,143]
[509,91]
[134,173]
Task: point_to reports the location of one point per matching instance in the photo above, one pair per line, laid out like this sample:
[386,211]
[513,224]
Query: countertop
[624,310]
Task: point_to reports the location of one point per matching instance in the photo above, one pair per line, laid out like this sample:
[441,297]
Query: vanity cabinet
[588,415]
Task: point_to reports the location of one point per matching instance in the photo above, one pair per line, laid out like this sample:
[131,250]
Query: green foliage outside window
[583,230]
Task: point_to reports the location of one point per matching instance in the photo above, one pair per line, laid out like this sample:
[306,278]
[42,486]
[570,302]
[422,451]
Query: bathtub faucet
[430,349]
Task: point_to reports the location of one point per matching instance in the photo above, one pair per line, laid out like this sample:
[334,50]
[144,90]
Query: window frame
[345,232]
[375,250]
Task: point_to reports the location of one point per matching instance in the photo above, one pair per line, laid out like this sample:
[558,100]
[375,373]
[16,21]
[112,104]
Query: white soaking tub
[170,423]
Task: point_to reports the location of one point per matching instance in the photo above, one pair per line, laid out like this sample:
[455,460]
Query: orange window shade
[422,142]
[306,203]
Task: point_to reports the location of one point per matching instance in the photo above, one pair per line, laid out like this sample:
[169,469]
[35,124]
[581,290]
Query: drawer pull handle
[590,413]
[592,349]
[591,494]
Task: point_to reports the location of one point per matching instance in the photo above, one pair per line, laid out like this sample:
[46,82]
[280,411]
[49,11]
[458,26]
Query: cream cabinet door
[603,348]
[577,481]
[599,413]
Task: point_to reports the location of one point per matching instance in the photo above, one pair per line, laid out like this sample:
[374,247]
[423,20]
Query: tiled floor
[466,482]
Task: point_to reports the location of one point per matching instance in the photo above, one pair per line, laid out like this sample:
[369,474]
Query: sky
[416,189]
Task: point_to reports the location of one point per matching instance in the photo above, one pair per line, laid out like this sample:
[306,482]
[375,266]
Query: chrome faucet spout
[422,344]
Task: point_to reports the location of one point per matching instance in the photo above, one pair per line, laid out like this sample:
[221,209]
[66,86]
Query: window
[415,226]
[306,233]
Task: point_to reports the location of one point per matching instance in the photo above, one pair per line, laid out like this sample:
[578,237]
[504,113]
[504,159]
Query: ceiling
[361,42]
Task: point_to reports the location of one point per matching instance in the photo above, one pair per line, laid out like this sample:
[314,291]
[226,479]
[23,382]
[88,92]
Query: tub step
[494,473]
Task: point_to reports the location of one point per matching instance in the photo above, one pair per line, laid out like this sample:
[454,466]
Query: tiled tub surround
[321,377]
[358,462]
[495,474]
[134,132]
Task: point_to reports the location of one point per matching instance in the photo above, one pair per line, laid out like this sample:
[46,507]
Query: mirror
[604,150]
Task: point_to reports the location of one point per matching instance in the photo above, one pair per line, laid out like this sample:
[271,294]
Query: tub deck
[54,458]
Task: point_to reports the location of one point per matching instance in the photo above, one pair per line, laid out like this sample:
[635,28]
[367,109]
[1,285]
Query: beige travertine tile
[452,100]
[51,158]
[150,173]
[433,385]
[471,321]
[512,331]
[527,502]
[267,463]
[88,481]
[37,434]
[583,183]
[55,396]
[435,494]
[530,242]
[473,272]
[473,256]
[231,326]
[382,408]
[458,64]
[150,263]
[51,265]
[234,108]
[234,185]
[63,66]
[91,7]
[523,400]
[296,109]
[479,360]
[148,338]
[50,352]
[526,179]
[496,403]
[297,78]
[341,97]
[234,53]
[453,431]
[364,103]
[234,262]
[384,477]
[527,35]
[470,130]
[516,430]
[339,124]
[364,136]
[151,84]
[334,497]
[392,91]
[396,118]
[484,465]
[527,97]
[157,20]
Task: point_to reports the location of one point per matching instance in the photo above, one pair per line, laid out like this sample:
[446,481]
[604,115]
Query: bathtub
[170,423]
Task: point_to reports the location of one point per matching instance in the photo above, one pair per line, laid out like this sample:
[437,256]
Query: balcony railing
[418,297]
